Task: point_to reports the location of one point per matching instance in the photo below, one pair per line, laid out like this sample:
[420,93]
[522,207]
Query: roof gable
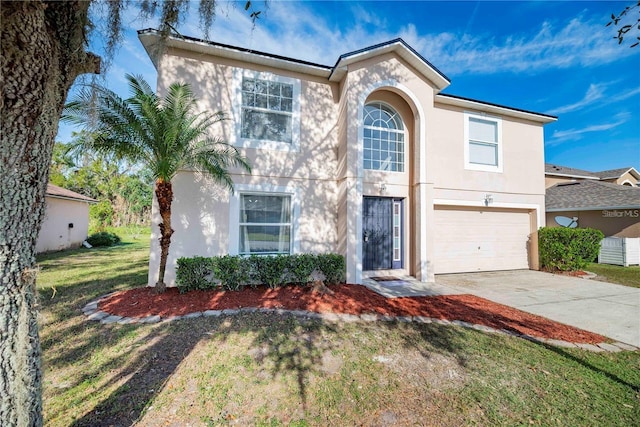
[400,48]
[617,173]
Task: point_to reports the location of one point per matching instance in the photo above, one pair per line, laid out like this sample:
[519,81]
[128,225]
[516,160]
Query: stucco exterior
[322,168]
[65,225]
[612,222]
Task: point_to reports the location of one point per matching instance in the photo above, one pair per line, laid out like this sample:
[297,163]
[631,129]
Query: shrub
[568,249]
[269,270]
[333,267]
[103,238]
[196,273]
[300,268]
[232,271]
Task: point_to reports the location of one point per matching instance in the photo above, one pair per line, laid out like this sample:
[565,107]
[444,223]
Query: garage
[480,239]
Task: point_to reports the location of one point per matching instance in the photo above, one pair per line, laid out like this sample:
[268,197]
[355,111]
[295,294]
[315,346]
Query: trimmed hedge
[568,249]
[103,238]
[234,272]
[195,273]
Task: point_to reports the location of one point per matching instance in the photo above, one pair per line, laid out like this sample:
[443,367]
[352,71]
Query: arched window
[383,138]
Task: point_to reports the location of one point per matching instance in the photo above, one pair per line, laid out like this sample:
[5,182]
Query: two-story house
[365,158]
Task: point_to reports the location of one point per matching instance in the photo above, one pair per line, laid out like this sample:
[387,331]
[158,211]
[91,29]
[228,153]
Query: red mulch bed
[350,299]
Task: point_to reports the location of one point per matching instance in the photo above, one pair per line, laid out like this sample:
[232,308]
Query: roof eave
[494,108]
[572,176]
[74,199]
[149,39]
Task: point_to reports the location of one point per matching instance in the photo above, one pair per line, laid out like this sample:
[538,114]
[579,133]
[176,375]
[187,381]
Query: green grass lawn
[270,370]
[628,276]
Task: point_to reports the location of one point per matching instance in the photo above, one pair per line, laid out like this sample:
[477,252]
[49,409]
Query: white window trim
[475,166]
[267,190]
[239,141]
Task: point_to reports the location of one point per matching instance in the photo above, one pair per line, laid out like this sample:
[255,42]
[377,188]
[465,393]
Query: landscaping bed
[347,299]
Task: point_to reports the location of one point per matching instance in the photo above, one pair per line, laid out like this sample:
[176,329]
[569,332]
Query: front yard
[265,369]
[628,276]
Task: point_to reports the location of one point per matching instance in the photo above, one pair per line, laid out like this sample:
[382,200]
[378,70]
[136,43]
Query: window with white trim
[383,138]
[267,108]
[483,142]
[265,224]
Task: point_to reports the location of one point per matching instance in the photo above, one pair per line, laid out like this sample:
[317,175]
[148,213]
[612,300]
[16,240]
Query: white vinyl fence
[623,251]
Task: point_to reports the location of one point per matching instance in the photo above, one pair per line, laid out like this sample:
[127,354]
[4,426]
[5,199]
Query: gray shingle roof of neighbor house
[616,173]
[591,195]
[336,72]
[63,193]
[550,169]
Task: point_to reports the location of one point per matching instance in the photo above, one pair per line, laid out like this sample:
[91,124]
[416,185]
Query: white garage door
[480,240]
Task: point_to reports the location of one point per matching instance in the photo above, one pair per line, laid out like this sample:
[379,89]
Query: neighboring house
[608,201]
[555,174]
[366,158]
[66,220]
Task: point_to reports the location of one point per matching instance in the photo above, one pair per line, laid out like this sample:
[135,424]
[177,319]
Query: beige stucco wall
[55,234]
[550,181]
[201,209]
[326,170]
[613,223]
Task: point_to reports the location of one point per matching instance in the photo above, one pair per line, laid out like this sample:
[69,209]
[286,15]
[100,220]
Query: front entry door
[381,233]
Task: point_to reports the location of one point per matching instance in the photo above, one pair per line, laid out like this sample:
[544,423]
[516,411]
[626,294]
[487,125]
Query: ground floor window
[265,224]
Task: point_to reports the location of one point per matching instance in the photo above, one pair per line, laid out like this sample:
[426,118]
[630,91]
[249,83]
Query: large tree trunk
[42,54]
[164,195]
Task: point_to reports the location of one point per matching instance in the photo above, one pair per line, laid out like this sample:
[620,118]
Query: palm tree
[163,134]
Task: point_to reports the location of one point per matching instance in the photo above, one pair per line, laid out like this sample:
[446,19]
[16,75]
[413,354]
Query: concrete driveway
[604,308]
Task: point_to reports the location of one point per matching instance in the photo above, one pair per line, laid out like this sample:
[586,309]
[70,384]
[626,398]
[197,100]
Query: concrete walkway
[604,308]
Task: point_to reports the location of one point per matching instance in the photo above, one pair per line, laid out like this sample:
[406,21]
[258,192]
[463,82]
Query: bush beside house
[233,272]
[568,249]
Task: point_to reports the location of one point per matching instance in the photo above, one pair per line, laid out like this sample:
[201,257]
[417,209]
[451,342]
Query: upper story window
[267,109]
[483,143]
[383,138]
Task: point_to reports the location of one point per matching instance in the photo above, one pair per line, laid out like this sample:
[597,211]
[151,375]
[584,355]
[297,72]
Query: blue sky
[550,57]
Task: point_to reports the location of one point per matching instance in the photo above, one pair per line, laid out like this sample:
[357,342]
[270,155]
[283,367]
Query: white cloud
[599,93]
[560,136]
[295,30]
[594,93]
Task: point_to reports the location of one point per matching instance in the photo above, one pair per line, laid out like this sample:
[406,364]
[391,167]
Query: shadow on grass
[585,363]
[142,377]
[291,346]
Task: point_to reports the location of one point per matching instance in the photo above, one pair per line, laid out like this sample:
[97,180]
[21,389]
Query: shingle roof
[55,191]
[550,169]
[612,173]
[591,195]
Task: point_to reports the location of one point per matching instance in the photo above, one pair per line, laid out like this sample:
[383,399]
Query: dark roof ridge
[389,43]
[240,49]
[496,105]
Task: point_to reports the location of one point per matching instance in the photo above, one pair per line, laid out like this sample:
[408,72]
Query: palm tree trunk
[164,195]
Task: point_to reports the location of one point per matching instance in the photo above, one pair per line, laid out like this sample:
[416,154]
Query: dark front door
[381,233]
